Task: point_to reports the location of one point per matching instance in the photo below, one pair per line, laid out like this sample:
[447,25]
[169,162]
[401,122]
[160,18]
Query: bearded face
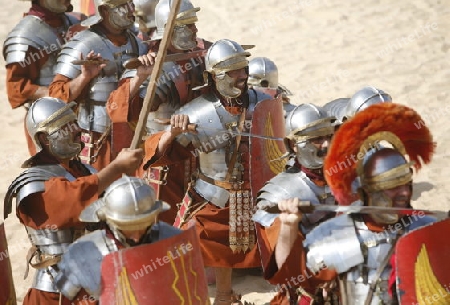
[233,83]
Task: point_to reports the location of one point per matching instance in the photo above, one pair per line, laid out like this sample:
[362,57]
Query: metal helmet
[48,115]
[363,98]
[223,56]
[337,108]
[56,6]
[262,72]
[145,9]
[384,168]
[130,204]
[183,38]
[303,124]
[111,4]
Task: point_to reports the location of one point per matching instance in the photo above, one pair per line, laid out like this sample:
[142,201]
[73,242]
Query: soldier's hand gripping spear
[157,68]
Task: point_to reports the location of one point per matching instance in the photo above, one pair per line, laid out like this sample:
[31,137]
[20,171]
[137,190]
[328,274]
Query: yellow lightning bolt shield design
[271,149]
[427,285]
[124,293]
[196,299]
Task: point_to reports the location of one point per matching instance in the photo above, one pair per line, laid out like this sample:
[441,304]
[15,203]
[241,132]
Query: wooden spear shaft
[151,89]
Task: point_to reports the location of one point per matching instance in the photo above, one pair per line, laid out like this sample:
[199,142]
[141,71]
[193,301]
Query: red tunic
[58,207]
[123,109]
[211,222]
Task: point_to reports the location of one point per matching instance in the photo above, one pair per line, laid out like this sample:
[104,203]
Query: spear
[307,208]
[151,89]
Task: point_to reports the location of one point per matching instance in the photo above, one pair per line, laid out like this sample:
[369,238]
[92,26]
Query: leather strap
[43,263]
[380,270]
[238,142]
[225,184]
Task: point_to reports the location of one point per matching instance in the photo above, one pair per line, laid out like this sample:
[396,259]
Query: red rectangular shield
[170,271]
[422,265]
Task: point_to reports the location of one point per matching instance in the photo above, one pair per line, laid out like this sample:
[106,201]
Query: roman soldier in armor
[174,89]
[105,46]
[379,147]
[344,108]
[55,188]
[220,198]
[131,212]
[30,51]
[263,76]
[309,131]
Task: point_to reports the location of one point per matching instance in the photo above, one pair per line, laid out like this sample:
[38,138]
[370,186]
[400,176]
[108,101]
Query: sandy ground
[324,49]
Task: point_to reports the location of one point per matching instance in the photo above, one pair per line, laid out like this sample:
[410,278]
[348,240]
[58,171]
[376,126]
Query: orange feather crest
[341,161]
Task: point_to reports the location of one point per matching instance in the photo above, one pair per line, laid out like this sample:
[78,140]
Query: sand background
[324,49]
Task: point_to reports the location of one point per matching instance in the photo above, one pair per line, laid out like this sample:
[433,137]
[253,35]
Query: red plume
[404,122]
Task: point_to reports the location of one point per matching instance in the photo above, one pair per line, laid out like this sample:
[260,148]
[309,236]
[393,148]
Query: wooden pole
[151,89]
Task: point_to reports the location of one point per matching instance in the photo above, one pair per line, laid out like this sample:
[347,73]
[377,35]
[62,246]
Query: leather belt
[228,185]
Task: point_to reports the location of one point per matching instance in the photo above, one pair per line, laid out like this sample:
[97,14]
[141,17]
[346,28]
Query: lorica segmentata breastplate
[50,242]
[288,185]
[346,245]
[92,114]
[33,32]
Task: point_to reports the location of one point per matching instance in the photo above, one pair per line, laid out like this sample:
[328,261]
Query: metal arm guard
[334,245]
[288,185]
[92,112]
[47,241]
[33,32]
[80,266]
[346,244]
[32,181]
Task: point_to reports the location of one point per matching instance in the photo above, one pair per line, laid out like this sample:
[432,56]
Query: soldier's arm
[62,201]
[142,72]
[59,88]
[179,123]
[289,219]
[69,89]
[171,152]
[287,261]
[19,79]
[122,107]
[60,204]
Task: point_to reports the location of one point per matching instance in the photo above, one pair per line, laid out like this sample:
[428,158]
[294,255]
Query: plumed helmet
[146,10]
[128,204]
[364,136]
[187,14]
[48,115]
[225,55]
[90,21]
[262,73]
[383,168]
[304,123]
[365,97]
